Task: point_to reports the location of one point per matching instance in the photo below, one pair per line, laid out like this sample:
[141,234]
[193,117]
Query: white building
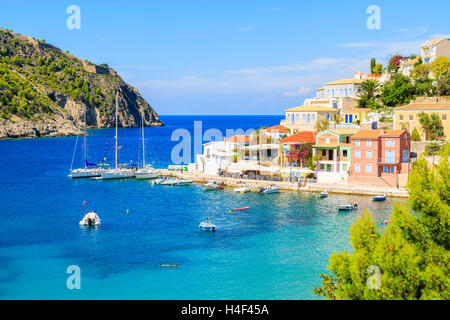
[218,155]
[434,49]
[344,88]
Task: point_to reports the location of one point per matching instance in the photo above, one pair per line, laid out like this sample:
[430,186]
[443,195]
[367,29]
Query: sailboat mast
[117,107]
[143,141]
[85,149]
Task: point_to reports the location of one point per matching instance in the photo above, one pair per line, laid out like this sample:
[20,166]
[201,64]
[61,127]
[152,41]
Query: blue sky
[230,57]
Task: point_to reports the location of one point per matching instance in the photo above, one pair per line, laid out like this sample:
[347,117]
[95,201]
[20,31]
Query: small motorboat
[387,221]
[379,198]
[175,182]
[184,183]
[323,194]
[91,219]
[270,189]
[243,189]
[348,207]
[207,226]
[213,185]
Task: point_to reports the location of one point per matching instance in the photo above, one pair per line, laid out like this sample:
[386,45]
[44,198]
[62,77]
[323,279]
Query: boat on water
[175,182]
[323,194]
[90,170]
[348,207]
[124,170]
[213,185]
[91,219]
[379,198]
[243,189]
[207,226]
[147,172]
[270,189]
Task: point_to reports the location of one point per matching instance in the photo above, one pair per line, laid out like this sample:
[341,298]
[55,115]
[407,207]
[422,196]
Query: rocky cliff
[47,92]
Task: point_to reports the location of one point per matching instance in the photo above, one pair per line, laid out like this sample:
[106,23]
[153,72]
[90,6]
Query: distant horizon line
[220,115]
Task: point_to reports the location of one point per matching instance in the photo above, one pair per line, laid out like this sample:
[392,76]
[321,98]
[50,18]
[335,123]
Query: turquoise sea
[275,250]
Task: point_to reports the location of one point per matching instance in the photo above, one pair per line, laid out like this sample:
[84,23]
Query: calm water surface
[276,250]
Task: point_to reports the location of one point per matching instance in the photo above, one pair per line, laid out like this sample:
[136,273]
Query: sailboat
[124,171]
[147,171]
[90,170]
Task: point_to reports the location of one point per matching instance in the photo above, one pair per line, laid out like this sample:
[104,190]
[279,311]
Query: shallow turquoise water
[275,250]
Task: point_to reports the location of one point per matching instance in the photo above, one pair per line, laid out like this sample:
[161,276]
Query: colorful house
[304,118]
[333,153]
[296,149]
[407,117]
[277,132]
[353,115]
[380,157]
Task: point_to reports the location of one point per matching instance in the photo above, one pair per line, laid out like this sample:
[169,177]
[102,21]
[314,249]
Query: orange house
[380,157]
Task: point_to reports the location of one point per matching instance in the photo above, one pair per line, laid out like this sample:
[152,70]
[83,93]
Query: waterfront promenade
[357,189]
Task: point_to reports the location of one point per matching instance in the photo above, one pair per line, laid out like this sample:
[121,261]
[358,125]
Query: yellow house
[352,115]
[407,117]
[304,118]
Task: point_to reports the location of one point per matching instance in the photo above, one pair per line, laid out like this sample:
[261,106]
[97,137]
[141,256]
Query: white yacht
[147,171]
[243,189]
[122,171]
[270,189]
[89,170]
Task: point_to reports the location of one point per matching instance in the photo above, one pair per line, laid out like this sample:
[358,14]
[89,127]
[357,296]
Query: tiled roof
[426,106]
[312,108]
[436,41]
[344,131]
[374,134]
[239,139]
[278,128]
[301,137]
[345,81]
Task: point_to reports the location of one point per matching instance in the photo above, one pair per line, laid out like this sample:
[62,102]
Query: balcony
[387,160]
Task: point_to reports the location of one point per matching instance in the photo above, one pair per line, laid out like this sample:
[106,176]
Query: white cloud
[303,91]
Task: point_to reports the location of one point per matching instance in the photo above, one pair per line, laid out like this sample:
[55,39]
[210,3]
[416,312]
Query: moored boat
[146,173]
[175,182]
[270,189]
[348,207]
[323,194]
[213,185]
[91,219]
[125,170]
[379,198]
[243,189]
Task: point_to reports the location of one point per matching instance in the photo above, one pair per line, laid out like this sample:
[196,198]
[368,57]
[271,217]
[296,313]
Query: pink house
[380,157]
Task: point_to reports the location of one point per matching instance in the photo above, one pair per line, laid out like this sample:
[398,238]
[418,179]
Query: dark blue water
[276,250]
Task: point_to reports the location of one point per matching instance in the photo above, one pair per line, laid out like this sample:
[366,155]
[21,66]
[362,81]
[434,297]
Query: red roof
[239,139]
[301,137]
[277,129]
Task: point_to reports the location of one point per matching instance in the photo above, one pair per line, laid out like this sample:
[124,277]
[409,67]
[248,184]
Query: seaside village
[356,148]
